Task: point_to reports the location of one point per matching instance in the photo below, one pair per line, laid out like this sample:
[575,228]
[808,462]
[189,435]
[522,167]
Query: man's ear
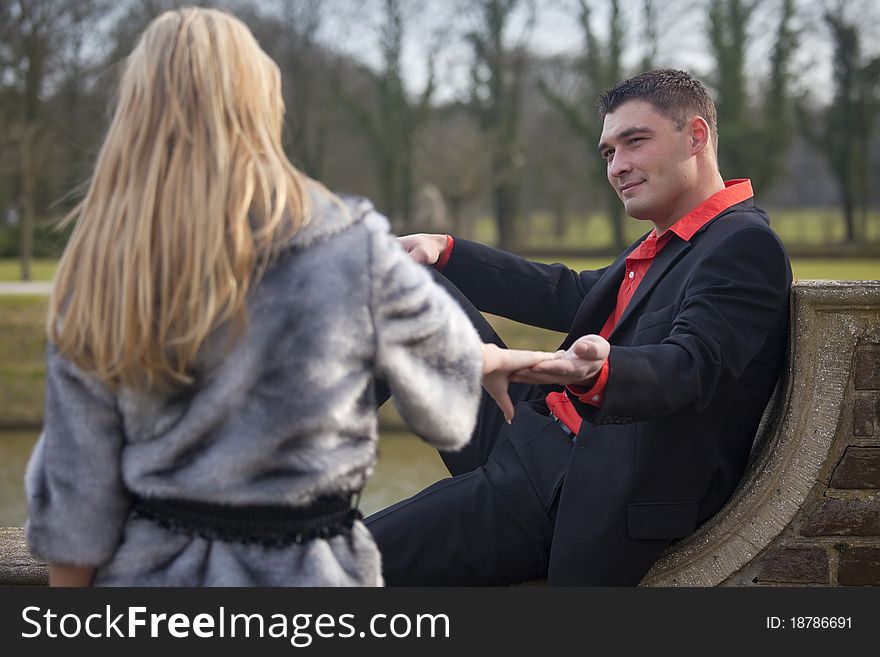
[699,133]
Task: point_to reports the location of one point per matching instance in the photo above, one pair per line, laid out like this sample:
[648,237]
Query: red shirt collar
[735,191]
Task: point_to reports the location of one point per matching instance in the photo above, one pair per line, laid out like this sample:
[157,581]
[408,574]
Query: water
[406,465]
[15,448]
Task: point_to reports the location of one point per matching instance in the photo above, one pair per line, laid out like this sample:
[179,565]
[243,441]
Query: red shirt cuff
[595,395]
[444,257]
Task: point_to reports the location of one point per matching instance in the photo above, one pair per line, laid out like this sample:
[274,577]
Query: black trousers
[491,523]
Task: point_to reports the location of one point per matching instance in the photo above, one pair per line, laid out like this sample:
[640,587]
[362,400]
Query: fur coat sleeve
[77,501]
[426,349]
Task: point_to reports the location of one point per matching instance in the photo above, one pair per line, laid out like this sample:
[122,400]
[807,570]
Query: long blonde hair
[191,194]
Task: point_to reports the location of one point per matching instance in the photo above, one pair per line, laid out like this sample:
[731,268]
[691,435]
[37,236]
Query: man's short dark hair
[677,95]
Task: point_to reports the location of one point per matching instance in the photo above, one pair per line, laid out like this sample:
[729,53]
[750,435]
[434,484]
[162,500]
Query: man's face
[650,164]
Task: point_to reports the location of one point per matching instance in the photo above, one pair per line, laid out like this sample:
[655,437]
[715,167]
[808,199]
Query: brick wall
[834,540]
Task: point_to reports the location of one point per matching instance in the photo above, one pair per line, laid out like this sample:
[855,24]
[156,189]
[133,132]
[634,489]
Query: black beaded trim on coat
[267,525]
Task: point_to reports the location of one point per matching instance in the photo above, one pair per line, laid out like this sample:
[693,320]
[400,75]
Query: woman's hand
[65,575]
[498,366]
[580,365]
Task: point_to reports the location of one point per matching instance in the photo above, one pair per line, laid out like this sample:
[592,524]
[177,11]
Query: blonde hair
[190,197]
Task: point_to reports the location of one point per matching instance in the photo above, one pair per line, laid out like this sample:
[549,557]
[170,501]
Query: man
[643,429]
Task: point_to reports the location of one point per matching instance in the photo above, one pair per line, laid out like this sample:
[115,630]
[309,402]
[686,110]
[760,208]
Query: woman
[215,327]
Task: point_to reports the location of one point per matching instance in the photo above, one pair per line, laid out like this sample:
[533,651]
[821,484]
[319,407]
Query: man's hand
[424,248]
[580,365]
[499,364]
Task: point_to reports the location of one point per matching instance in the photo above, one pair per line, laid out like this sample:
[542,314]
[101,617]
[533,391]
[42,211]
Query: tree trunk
[849,216]
[506,215]
[560,215]
[454,204]
[29,187]
[407,183]
[616,217]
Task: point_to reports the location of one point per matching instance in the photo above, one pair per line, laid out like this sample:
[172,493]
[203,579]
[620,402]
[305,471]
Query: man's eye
[635,139]
[607,155]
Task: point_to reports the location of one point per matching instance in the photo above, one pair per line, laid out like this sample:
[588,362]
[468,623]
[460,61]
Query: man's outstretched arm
[505,284]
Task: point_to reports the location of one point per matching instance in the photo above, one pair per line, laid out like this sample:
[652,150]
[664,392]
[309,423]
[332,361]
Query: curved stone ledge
[17,566]
[802,437]
[808,509]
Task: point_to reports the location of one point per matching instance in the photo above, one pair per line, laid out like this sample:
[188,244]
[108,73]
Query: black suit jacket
[694,360]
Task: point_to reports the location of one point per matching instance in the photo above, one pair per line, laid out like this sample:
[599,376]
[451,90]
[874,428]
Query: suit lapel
[668,255]
[599,302]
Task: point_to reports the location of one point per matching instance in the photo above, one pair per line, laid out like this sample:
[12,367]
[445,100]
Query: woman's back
[286,417]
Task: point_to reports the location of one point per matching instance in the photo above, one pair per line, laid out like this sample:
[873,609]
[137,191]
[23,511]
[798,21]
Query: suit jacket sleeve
[528,292]
[729,305]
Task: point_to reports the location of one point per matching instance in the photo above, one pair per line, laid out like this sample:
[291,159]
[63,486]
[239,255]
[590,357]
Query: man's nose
[618,165]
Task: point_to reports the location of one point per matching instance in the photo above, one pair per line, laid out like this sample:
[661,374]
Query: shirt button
[632,274]
[596,398]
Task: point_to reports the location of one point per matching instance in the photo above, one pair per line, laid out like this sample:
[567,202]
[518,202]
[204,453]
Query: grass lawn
[796,226]
[836,270]
[22,355]
[857,269]
[41,269]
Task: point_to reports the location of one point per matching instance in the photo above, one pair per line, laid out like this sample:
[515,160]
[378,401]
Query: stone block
[867,369]
[859,566]
[859,468]
[837,517]
[863,417]
[795,565]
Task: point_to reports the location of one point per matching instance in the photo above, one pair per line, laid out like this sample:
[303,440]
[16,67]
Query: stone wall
[835,538]
[808,510]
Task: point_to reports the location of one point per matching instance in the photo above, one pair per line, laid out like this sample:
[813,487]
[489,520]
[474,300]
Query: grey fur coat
[286,416]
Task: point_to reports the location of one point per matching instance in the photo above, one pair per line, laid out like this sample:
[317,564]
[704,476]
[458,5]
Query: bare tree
[600,67]
[303,62]
[742,122]
[496,100]
[391,121]
[556,178]
[846,125]
[454,158]
[290,32]
[728,24]
[651,35]
[38,36]
[778,125]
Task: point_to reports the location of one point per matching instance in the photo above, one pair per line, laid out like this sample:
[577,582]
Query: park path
[25,288]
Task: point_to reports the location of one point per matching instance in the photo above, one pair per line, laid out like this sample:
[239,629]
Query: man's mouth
[628,187]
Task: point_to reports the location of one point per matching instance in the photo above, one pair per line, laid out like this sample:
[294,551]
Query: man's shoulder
[745,213]
[743,234]
[742,217]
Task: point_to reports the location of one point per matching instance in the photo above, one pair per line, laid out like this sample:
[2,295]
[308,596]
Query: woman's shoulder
[332,214]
